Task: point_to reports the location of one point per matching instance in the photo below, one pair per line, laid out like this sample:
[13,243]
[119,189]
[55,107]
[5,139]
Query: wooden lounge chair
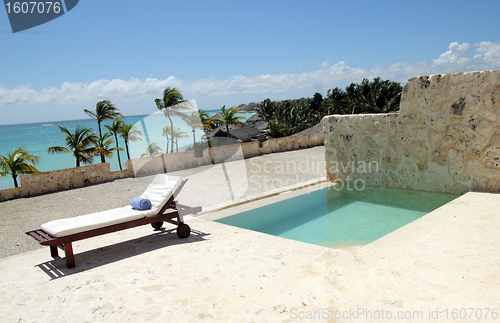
[161,192]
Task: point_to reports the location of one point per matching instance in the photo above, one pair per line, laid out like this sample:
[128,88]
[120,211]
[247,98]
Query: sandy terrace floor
[444,266]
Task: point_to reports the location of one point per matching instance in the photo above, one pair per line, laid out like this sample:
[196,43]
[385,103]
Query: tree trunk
[126,147]
[14,177]
[118,152]
[171,134]
[99,124]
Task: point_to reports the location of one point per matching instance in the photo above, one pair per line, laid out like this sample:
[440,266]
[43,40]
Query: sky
[232,52]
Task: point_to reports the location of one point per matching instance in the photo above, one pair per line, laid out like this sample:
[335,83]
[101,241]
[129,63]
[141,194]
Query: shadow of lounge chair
[161,192]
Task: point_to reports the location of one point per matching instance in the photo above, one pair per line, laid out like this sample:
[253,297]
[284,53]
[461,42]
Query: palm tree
[335,102]
[229,117]
[17,163]
[179,134]
[114,129]
[172,105]
[129,132]
[152,149]
[104,110]
[80,143]
[166,130]
[194,122]
[374,97]
[205,121]
[102,146]
[266,110]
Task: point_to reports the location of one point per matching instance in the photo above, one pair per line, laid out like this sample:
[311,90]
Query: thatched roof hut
[241,132]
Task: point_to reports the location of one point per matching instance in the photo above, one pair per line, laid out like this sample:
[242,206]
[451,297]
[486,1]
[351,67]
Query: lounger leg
[70,258]
[53,252]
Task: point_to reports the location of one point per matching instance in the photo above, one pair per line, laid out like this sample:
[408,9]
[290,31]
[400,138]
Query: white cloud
[70,93]
[452,58]
[487,56]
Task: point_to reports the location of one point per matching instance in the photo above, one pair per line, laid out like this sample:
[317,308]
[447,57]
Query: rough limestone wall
[446,138]
[64,179]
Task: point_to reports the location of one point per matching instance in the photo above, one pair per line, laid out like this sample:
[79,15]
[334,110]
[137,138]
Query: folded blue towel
[138,203]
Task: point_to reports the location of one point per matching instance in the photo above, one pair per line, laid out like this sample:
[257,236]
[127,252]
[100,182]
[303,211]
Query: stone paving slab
[447,259]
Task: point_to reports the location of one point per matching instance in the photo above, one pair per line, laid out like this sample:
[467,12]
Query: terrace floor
[431,270]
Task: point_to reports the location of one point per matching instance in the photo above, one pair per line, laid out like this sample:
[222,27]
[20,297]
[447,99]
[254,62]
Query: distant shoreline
[59,121]
[86,119]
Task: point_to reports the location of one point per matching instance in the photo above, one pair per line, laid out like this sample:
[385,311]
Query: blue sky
[232,52]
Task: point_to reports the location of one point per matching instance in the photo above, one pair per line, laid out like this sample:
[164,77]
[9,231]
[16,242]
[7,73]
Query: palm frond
[18,163]
[58,149]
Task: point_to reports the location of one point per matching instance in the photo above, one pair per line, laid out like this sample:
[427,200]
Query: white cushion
[158,192]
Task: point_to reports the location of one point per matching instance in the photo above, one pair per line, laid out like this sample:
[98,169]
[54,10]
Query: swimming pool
[340,218]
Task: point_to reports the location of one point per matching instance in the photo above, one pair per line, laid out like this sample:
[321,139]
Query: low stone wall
[446,137]
[215,155]
[53,181]
[165,163]
[63,179]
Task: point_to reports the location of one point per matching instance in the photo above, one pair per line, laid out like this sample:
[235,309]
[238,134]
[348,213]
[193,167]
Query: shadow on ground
[56,268]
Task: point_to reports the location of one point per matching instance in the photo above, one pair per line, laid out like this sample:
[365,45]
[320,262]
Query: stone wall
[53,181]
[63,179]
[445,138]
[215,155]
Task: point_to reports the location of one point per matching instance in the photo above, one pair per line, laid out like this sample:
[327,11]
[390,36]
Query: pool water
[337,218]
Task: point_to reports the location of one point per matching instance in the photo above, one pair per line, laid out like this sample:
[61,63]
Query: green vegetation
[114,129]
[166,131]
[172,105]
[81,144]
[152,149]
[291,116]
[193,120]
[177,135]
[205,121]
[85,144]
[102,146]
[104,110]
[129,133]
[229,117]
[284,118]
[19,162]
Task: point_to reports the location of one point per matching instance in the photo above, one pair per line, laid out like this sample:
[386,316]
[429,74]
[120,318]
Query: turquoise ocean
[37,137]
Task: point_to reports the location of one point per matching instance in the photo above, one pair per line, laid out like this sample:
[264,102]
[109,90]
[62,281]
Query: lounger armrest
[187,210]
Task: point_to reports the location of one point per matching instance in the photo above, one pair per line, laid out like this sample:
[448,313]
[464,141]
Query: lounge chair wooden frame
[171,212]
